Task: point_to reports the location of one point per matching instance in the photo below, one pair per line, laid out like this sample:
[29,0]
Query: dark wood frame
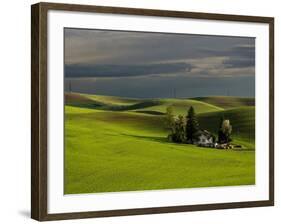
[39,111]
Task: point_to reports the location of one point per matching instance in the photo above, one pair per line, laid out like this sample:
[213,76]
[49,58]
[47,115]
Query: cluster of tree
[185,129]
[224,133]
[182,129]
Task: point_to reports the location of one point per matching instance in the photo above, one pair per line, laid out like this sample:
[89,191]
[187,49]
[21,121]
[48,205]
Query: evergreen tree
[192,126]
[179,130]
[170,119]
[221,137]
[170,123]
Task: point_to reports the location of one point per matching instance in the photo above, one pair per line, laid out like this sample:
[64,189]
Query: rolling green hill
[180,106]
[110,151]
[120,144]
[150,106]
[242,120]
[112,100]
[107,102]
[227,101]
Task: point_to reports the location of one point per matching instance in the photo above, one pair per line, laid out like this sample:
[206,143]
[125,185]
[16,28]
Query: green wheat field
[115,144]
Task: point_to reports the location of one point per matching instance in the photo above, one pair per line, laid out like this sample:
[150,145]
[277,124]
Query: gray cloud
[240,57]
[239,63]
[244,51]
[144,64]
[120,47]
[76,71]
[158,87]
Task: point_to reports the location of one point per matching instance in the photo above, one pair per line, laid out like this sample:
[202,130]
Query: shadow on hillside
[102,106]
[151,112]
[149,138]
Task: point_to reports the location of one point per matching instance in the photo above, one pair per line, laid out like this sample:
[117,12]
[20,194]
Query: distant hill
[149,106]
[107,102]
[227,101]
[113,100]
[180,106]
[76,98]
[242,120]
[239,110]
[115,144]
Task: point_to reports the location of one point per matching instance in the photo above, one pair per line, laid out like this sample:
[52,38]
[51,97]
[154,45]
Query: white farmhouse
[205,138]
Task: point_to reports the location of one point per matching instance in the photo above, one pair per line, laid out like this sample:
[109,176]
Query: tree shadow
[149,138]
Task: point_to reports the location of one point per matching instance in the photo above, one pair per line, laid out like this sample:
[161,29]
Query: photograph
[156,111]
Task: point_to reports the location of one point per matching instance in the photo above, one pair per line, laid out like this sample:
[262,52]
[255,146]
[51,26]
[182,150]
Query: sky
[158,65]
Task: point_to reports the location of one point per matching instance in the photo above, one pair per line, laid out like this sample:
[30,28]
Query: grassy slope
[242,121]
[181,106]
[113,100]
[123,151]
[227,101]
[149,106]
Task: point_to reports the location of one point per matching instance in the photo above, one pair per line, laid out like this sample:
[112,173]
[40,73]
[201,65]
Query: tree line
[185,129]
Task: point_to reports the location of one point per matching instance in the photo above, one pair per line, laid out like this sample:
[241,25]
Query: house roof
[205,133]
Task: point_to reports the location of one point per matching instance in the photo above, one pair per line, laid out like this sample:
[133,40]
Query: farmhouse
[205,138]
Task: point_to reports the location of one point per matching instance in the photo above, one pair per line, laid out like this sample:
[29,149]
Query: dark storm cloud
[243,51]
[144,87]
[120,47]
[78,71]
[247,51]
[142,64]
[239,63]
[240,57]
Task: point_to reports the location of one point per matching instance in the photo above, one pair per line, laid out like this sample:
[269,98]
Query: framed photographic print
[138,111]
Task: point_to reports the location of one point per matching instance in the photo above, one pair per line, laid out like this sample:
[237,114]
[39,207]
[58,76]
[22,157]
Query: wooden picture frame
[39,108]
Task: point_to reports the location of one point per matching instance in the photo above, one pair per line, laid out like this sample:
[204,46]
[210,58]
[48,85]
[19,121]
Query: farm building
[205,138]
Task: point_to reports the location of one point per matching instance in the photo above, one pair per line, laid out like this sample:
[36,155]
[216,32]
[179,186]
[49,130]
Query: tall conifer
[192,126]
